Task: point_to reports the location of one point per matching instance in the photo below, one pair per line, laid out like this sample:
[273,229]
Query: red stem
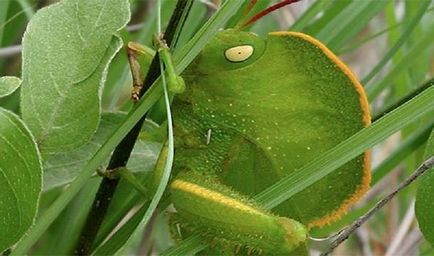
[267,11]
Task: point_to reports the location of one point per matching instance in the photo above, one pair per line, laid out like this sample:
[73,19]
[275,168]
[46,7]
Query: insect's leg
[175,83]
[139,58]
[216,211]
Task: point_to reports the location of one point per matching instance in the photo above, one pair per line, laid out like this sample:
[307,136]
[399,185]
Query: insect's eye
[239,53]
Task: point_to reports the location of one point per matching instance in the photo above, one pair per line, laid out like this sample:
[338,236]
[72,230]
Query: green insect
[253,111]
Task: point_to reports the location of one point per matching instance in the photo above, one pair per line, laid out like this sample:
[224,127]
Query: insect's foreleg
[175,83]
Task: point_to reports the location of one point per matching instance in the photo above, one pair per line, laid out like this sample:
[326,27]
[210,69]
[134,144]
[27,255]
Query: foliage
[72,106]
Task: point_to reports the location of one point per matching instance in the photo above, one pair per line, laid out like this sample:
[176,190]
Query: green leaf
[62,168]
[66,51]
[8,84]
[424,203]
[20,179]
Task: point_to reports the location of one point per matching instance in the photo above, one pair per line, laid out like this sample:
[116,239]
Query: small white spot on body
[178,228]
[208,136]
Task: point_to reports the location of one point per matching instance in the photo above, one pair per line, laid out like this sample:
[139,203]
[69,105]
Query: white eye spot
[239,53]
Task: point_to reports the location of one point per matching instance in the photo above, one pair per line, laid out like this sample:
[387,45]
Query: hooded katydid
[254,110]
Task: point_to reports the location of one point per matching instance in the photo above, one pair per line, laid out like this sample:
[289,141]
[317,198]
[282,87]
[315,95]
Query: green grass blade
[189,246]
[27,8]
[310,14]
[116,215]
[119,238]
[3,17]
[424,4]
[349,22]
[164,180]
[410,57]
[408,146]
[186,55]
[368,39]
[333,10]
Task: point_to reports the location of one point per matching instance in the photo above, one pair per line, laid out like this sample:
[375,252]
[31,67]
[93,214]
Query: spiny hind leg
[219,213]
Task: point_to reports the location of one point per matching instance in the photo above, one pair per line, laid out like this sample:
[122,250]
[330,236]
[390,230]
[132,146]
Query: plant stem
[346,232]
[403,100]
[123,151]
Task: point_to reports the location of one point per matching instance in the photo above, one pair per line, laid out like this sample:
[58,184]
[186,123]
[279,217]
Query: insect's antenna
[267,11]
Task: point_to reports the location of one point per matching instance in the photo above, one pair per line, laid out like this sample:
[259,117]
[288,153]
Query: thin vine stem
[346,232]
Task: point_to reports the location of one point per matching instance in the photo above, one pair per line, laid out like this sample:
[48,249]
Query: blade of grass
[115,218]
[418,71]
[189,246]
[310,14]
[368,39]
[27,8]
[186,55]
[197,14]
[123,233]
[389,108]
[3,17]
[66,228]
[119,238]
[349,22]
[410,57]
[337,156]
[333,10]
[409,28]
[408,146]
[165,176]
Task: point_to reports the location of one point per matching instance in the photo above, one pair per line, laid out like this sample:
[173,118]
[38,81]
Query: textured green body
[240,127]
